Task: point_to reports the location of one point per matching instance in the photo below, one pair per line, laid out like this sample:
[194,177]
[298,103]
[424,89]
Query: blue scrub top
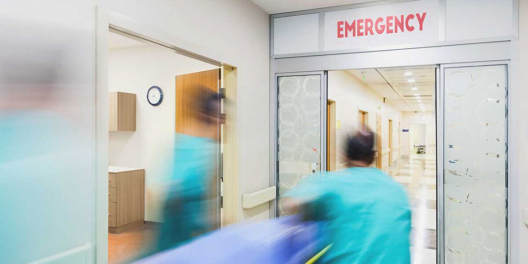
[369,219]
[186,212]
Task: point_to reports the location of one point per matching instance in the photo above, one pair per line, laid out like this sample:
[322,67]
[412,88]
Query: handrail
[260,197]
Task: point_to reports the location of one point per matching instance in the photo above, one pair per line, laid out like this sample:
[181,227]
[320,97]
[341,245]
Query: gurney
[282,240]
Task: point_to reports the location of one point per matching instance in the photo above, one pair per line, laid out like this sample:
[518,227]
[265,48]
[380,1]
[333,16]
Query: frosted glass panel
[299,129]
[475,164]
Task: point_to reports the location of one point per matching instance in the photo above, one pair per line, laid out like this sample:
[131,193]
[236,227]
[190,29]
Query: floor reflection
[418,175]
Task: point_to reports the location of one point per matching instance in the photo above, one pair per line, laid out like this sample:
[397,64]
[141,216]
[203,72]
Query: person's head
[360,149]
[207,106]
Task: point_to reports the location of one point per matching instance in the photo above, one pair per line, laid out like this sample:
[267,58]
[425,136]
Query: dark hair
[208,103]
[361,147]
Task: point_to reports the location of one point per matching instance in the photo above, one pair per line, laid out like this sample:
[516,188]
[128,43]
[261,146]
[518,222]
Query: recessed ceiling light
[414,88]
[411,80]
[416,94]
[408,73]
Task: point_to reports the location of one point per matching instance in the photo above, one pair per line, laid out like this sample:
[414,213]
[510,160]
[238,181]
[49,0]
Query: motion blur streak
[46,165]
[191,206]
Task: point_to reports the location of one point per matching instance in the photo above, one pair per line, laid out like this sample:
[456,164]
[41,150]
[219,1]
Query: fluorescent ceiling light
[419,101]
[408,73]
[416,94]
[411,80]
[414,88]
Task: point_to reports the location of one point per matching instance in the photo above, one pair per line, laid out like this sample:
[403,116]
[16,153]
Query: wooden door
[188,87]
[363,119]
[331,152]
[379,149]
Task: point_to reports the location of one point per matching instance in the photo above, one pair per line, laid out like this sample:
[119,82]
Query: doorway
[435,163]
[331,128]
[363,119]
[153,90]
[396,96]
[129,65]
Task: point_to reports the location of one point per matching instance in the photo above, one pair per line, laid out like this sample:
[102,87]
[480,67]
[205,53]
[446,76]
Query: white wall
[465,19]
[351,95]
[417,134]
[232,31]
[135,70]
[426,118]
[521,127]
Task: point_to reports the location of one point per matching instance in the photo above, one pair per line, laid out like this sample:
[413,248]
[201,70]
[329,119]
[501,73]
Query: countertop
[115,169]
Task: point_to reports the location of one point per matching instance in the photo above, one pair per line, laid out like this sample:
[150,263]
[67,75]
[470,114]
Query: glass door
[301,115]
[475,118]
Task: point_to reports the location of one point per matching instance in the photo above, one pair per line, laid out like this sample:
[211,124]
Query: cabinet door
[122,111]
[112,214]
[112,195]
[130,197]
[112,180]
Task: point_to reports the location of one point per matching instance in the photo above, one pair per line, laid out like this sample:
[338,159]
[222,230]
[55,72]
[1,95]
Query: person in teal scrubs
[190,209]
[366,214]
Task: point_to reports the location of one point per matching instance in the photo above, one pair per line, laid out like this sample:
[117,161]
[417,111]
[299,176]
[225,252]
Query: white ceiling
[116,41]
[282,6]
[393,84]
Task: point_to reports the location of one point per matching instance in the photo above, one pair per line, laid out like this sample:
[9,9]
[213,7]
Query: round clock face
[155,95]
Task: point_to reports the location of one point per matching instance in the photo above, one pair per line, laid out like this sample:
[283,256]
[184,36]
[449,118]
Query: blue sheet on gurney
[281,240]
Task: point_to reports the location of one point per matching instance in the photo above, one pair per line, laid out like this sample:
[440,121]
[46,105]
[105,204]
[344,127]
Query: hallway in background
[418,175]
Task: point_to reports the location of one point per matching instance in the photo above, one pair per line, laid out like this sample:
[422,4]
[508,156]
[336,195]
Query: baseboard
[153,223]
[123,228]
[82,254]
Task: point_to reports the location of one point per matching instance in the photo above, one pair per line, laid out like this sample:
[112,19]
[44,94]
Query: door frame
[512,230]
[107,21]
[274,130]
[331,131]
[442,55]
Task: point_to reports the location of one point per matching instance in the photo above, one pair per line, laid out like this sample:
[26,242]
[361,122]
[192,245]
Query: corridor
[418,175]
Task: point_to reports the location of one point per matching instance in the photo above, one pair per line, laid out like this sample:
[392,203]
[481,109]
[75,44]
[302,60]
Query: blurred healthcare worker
[47,185]
[367,214]
[191,206]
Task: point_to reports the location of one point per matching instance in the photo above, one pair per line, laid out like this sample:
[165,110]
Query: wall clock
[155,95]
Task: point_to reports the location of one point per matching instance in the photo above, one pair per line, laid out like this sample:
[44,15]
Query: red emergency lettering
[398,23]
[409,17]
[389,25]
[421,20]
[380,27]
[340,29]
[360,27]
[368,27]
[350,27]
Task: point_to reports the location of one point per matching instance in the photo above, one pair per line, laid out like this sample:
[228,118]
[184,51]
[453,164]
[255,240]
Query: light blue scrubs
[47,186]
[185,214]
[369,218]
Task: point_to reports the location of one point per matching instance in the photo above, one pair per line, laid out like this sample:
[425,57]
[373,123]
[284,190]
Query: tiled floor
[124,247]
[418,175]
